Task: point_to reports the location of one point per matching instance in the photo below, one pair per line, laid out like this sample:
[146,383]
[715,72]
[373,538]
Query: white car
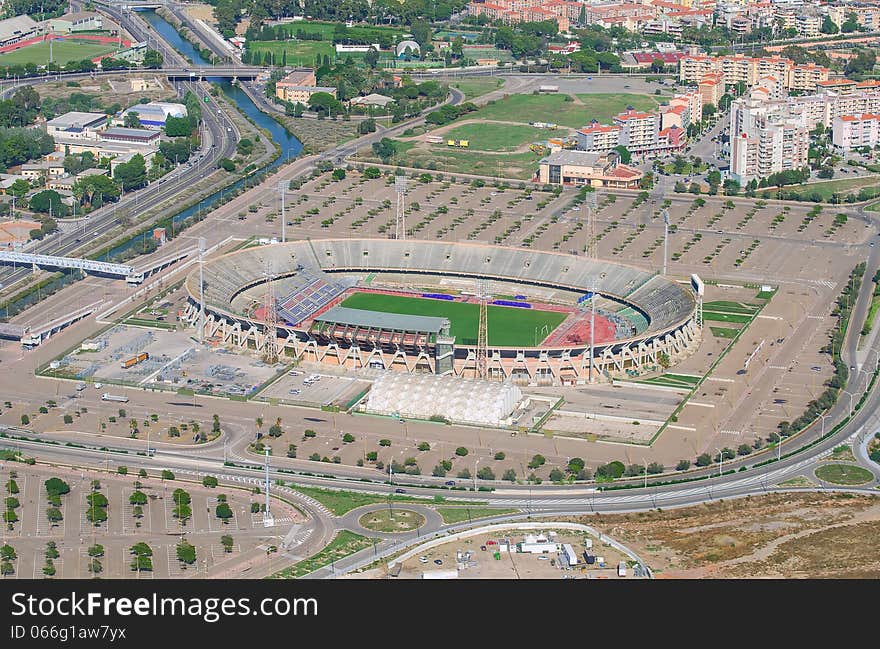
[98,386]
[423,559]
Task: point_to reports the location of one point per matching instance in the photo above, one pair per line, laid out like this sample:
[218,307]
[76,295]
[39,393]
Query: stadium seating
[666,303]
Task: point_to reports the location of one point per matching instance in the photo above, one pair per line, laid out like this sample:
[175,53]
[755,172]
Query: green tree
[223,511]
[461,451]
[210,481]
[132,120]
[537,461]
[509,475]
[56,487]
[384,149]
[96,550]
[152,59]
[829,26]
[132,174]
[186,552]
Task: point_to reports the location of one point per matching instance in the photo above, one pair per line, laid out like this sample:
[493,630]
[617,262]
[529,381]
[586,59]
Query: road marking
[731,432]
[701,404]
[718,378]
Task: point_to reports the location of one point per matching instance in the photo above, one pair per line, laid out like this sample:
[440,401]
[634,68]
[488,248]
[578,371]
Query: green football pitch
[508,326]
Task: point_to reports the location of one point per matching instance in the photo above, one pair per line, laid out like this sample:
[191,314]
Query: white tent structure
[422,396]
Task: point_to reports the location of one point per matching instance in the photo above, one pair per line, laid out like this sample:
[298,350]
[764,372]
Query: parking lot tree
[141,549]
[486,473]
[315,457]
[25,420]
[96,550]
[142,564]
[384,442]
[97,510]
[54,515]
[655,468]
[348,438]
[186,552]
[537,461]
[167,475]
[10,517]
[704,459]
[52,550]
[308,432]
[575,464]
[726,453]
[744,449]
[122,413]
[138,498]
[56,487]
[227,543]
[424,446]
[95,484]
[255,508]
[509,475]
[461,451]
[6,568]
[372,456]
[142,473]
[683,465]
[12,486]
[122,470]
[210,481]
[95,567]
[223,511]
[438,472]
[584,474]
[410,461]
[7,553]
[446,464]
[556,475]
[291,450]
[137,511]
[12,502]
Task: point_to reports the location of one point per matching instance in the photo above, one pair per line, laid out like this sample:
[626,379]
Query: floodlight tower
[400,221]
[271,321]
[665,214]
[483,330]
[282,186]
[268,519]
[201,330]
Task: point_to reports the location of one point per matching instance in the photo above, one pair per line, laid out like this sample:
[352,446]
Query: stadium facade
[311,278]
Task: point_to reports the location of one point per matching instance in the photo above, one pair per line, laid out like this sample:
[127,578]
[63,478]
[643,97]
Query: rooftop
[380,320]
[76,119]
[570,157]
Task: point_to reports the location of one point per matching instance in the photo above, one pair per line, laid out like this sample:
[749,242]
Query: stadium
[414,306]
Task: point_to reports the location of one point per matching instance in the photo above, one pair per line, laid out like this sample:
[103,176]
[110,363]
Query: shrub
[424,446]
[509,475]
[683,465]
[384,442]
[500,455]
[210,481]
[348,438]
[461,451]
[537,461]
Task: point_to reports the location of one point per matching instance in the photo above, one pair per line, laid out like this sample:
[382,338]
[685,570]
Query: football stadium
[414,306]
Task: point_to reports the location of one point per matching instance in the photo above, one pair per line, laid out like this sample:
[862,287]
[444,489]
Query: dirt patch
[778,535]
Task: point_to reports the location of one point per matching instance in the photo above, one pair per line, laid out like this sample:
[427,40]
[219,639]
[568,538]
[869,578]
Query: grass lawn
[341,502]
[844,474]
[476,87]
[843,185]
[405,520]
[508,326]
[62,52]
[798,481]
[491,136]
[459,514]
[342,545]
[724,332]
[301,53]
[726,317]
[555,108]
[673,380]
[451,161]
[731,307]
[842,453]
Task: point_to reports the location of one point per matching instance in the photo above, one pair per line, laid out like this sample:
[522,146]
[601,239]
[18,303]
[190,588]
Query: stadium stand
[666,303]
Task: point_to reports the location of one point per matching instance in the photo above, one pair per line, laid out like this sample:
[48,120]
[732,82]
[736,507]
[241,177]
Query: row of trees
[152,60]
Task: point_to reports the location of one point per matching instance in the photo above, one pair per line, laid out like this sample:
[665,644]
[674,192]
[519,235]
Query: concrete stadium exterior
[671,308]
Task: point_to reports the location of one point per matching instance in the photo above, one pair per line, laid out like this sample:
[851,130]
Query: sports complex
[414,306]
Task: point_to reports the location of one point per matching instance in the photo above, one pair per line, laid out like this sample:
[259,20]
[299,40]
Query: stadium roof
[380,320]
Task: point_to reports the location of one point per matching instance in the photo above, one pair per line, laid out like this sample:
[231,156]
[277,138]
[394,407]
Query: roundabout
[392,521]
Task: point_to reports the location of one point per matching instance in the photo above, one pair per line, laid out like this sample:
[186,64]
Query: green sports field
[62,52]
[508,326]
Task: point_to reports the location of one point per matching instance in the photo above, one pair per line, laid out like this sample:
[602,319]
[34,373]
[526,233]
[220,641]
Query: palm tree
[259,423]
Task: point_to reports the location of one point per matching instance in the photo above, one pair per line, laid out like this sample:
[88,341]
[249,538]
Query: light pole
[721,462]
[475,474]
[646,472]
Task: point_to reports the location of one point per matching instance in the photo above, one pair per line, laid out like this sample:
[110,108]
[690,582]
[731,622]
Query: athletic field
[62,52]
[508,326]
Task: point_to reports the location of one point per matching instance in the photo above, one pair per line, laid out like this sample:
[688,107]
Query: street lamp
[475,474]
[721,462]
[646,472]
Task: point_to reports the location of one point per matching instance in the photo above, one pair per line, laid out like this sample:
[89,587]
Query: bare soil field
[801,535]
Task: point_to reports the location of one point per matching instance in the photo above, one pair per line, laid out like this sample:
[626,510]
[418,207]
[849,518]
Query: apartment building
[638,130]
[597,137]
[766,138]
[711,88]
[739,68]
[852,131]
[299,86]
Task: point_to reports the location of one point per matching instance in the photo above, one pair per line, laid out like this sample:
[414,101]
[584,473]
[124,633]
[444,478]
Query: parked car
[400,491]
[449,483]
